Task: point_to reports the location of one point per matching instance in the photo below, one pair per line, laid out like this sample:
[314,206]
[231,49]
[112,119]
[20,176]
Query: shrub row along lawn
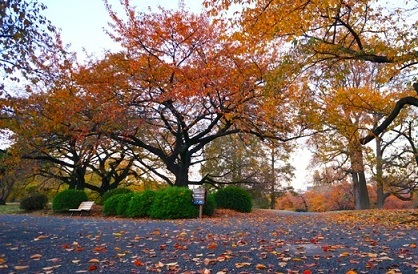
[174,203]
[168,203]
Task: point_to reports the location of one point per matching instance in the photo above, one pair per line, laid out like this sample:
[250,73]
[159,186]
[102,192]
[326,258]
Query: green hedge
[113,192]
[123,204]
[67,199]
[210,205]
[173,203]
[111,205]
[235,198]
[141,203]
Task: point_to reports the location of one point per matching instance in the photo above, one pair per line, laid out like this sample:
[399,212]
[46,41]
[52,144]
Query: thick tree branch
[385,124]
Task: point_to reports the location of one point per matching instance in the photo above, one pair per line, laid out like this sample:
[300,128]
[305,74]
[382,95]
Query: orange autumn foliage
[333,197]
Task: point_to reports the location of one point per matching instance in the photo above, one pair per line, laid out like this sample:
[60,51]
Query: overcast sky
[82,22]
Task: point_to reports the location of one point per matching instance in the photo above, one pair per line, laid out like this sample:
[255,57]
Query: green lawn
[10,209]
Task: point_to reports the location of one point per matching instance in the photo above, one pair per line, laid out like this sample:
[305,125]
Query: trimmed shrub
[35,201]
[235,198]
[123,204]
[111,205]
[113,192]
[67,199]
[174,203]
[210,206]
[141,203]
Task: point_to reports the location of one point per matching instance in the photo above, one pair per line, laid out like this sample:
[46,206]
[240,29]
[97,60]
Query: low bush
[123,204]
[111,205]
[67,199]
[141,203]
[113,192]
[173,203]
[35,201]
[210,205]
[235,198]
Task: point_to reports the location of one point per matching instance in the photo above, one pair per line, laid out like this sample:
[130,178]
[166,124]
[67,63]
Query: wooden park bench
[83,207]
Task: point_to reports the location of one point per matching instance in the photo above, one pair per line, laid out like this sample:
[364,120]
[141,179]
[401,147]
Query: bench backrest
[86,205]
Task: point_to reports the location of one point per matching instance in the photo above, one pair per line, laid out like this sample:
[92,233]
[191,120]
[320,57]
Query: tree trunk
[380,191]
[273,181]
[364,202]
[182,178]
[361,195]
[356,190]
[182,170]
[3,197]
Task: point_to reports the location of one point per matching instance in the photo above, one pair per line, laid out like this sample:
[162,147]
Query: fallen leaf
[21,267]
[260,267]
[240,265]
[138,262]
[36,257]
[40,238]
[212,245]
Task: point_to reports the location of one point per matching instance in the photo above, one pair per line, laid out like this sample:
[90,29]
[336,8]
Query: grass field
[11,209]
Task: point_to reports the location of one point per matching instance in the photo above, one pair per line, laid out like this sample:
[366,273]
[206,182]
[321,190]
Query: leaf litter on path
[230,242]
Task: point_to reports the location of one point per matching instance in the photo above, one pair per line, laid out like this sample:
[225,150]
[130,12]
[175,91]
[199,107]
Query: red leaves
[212,245]
[138,262]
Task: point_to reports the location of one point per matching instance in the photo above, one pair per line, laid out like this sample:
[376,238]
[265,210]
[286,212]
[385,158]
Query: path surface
[265,243]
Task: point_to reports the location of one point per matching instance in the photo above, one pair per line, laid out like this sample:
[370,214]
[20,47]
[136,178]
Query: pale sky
[82,24]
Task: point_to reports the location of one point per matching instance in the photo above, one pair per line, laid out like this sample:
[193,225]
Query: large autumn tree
[60,126]
[184,82]
[322,35]
[352,101]
[334,31]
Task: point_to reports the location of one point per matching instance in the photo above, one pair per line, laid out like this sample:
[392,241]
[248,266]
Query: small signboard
[199,196]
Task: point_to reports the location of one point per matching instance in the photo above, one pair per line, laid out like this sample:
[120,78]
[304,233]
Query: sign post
[199,198]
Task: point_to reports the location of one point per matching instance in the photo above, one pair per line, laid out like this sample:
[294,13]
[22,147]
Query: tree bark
[361,195]
[381,195]
[364,202]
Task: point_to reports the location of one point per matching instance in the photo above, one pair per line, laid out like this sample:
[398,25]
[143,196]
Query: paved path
[279,243]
